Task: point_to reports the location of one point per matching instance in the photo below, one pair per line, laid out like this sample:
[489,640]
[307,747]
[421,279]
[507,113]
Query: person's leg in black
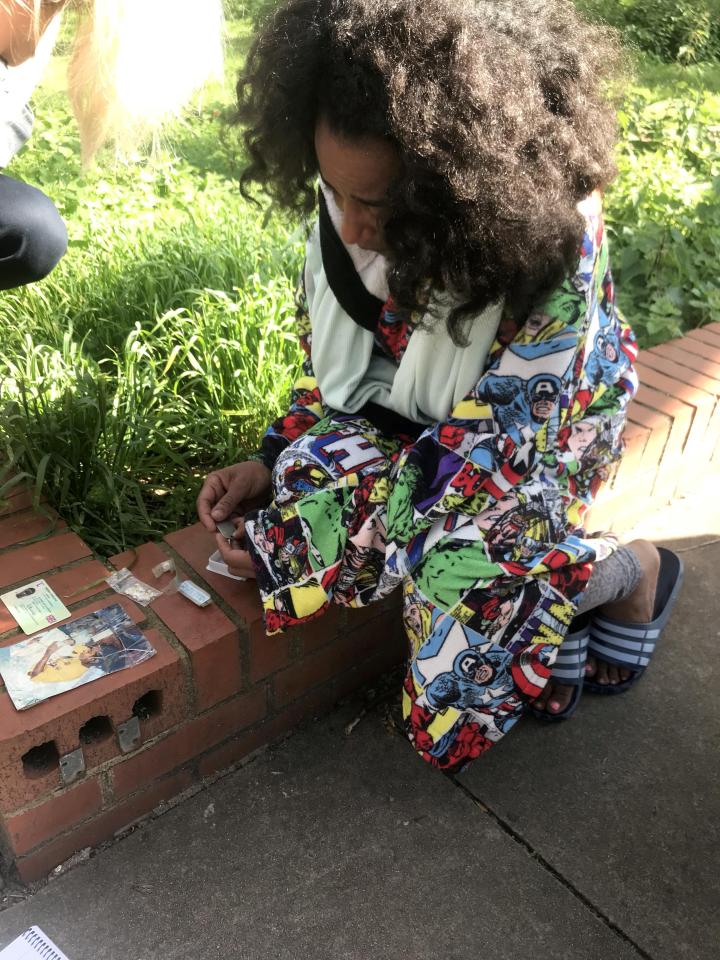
[33,237]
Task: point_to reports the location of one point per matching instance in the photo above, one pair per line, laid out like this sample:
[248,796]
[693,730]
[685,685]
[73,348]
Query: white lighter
[198,596]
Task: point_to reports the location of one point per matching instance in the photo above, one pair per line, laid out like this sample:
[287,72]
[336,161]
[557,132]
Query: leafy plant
[686,31]
[664,208]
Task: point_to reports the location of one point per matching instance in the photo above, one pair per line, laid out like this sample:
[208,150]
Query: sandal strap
[634,633]
[569,666]
[621,645]
[633,644]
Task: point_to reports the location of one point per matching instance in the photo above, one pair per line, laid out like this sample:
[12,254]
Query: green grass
[163,343]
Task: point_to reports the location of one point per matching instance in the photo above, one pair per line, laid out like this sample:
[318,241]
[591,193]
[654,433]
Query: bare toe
[590,667]
[601,672]
[560,698]
[555,697]
[613,674]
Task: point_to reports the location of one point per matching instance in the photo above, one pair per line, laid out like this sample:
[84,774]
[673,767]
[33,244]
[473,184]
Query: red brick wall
[221,688]
[673,433]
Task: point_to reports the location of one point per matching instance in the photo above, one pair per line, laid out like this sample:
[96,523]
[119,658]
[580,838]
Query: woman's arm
[42,663]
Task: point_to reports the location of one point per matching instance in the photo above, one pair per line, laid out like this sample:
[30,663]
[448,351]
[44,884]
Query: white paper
[216,564]
[31,945]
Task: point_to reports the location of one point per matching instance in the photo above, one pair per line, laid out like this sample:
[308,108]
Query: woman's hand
[237,559]
[232,490]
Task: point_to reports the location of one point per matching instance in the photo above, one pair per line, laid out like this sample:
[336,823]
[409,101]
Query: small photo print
[71,655]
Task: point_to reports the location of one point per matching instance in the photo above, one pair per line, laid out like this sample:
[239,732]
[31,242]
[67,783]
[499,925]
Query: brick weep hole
[218,688]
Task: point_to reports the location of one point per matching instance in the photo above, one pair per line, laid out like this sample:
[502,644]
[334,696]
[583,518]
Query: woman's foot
[637,607]
[555,697]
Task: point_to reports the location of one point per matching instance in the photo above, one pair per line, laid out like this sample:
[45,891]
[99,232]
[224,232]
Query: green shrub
[663,210]
[685,31]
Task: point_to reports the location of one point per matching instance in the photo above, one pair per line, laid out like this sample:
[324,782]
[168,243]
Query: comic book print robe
[479,519]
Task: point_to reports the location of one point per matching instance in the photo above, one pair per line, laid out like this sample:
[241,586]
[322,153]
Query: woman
[123,85]
[466,373]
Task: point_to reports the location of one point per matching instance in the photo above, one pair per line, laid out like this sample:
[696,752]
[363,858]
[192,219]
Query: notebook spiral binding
[38,942]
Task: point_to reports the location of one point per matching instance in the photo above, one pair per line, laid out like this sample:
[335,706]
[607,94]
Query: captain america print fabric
[478,520]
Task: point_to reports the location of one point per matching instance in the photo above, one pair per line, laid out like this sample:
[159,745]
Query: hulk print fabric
[478,520]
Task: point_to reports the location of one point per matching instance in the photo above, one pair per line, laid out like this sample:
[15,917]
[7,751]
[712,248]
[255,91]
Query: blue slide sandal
[569,668]
[631,645]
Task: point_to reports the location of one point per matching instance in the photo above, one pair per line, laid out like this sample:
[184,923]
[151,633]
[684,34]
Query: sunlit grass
[163,343]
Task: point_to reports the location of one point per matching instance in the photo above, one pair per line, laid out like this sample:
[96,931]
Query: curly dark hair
[498,109]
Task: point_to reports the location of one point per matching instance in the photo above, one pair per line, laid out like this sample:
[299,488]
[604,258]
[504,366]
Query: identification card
[35,606]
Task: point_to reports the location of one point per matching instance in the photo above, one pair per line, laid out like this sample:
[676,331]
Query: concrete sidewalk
[592,839]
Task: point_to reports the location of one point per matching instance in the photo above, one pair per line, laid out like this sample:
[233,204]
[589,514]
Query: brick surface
[97,750]
[699,349]
[210,639]
[54,816]
[189,742]
[636,437]
[320,632]
[195,544]
[327,663]
[684,373]
[72,586]
[26,525]
[12,502]
[59,719]
[267,654]
[709,335]
[212,642]
[37,865]
[679,354]
[704,432]
[25,563]
[680,416]
[314,704]
[675,359]
[659,426]
[618,511]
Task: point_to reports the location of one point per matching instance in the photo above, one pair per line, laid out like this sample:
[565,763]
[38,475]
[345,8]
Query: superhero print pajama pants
[481,646]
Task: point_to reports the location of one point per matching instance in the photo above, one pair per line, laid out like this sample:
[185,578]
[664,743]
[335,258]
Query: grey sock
[612,579]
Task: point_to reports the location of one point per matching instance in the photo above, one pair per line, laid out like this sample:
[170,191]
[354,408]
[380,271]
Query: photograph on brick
[72,654]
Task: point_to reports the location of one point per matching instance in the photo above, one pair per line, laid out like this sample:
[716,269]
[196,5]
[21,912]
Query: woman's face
[359,173]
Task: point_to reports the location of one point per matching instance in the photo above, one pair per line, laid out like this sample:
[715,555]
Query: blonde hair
[135,63]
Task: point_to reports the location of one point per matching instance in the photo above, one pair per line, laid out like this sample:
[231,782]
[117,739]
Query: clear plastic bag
[122,581]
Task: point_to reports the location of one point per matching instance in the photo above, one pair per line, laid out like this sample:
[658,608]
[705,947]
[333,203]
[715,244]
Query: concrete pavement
[596,838]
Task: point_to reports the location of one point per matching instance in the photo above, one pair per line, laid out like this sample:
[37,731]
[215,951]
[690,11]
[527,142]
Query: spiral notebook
[31,945]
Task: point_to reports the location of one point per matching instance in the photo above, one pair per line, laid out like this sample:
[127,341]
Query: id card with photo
[35,606]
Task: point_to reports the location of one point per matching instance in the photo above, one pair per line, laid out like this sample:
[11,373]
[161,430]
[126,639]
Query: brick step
[218,688]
